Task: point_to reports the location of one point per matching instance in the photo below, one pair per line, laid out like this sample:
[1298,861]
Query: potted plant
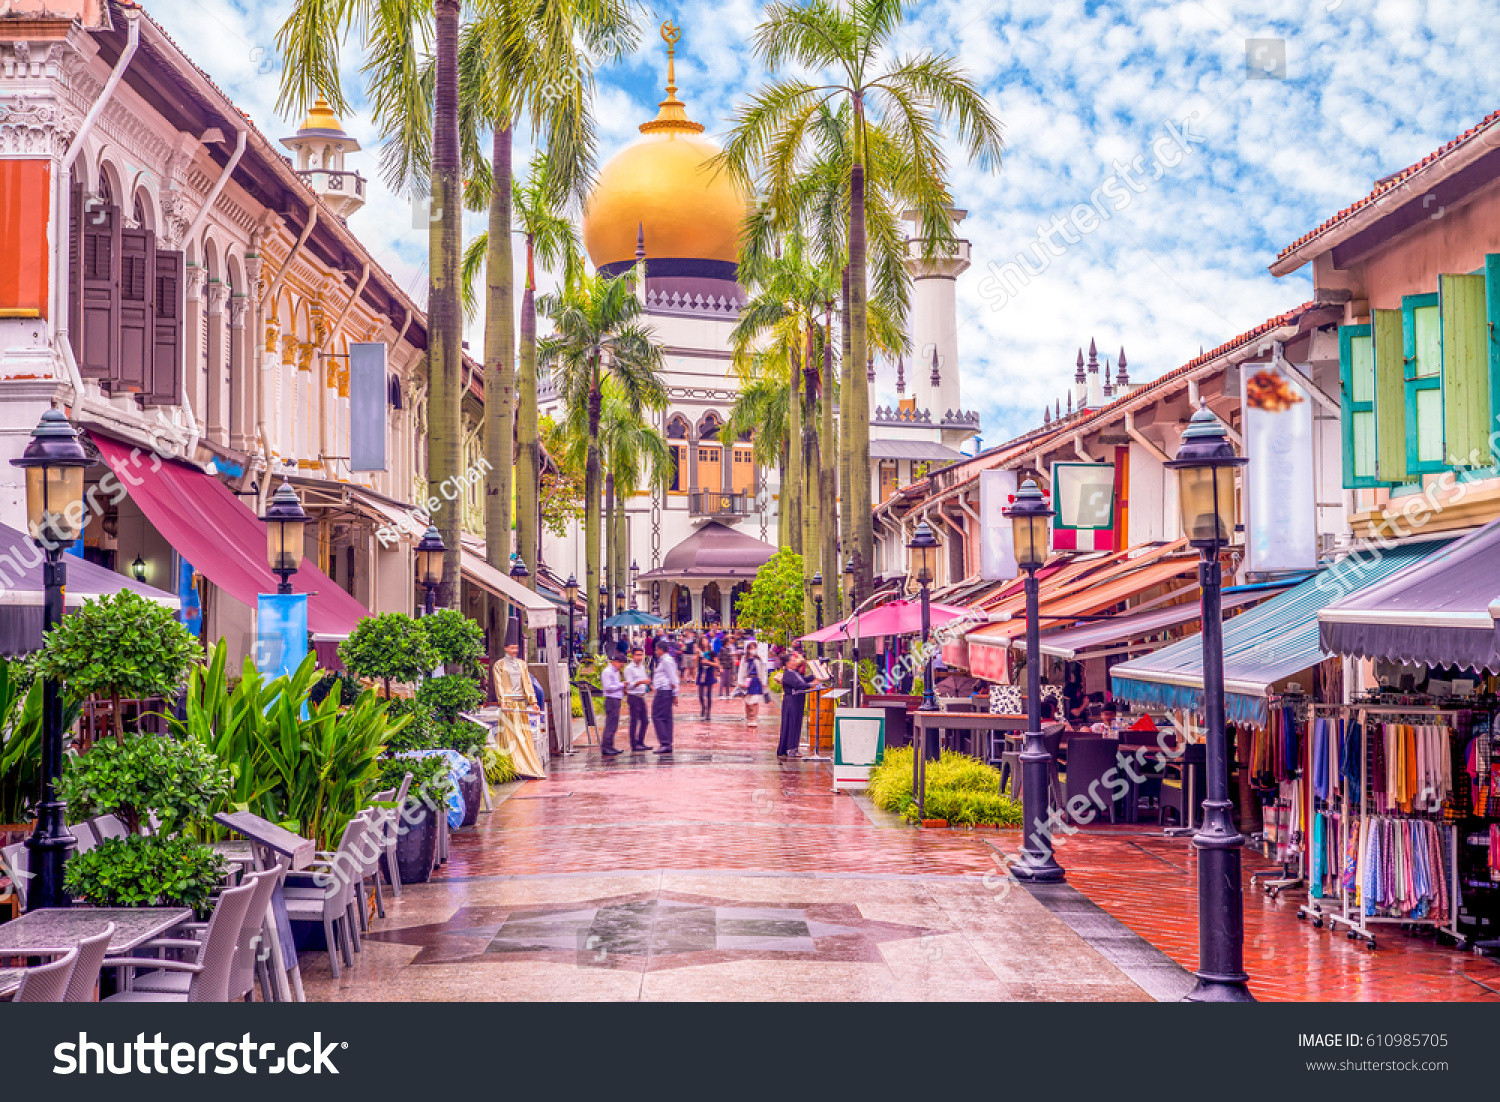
[417,826]
[390,647]
[139,778]
[120,646]
[457,643]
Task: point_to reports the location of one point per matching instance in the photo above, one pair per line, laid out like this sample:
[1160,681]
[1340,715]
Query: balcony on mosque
[318,150]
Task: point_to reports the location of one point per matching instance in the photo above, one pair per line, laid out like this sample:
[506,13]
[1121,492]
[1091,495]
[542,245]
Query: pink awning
[223,539]
[896,618]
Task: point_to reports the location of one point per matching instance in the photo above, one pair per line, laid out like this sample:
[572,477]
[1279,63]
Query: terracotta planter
[934,822]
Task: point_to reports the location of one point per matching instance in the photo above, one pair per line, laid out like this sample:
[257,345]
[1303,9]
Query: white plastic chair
[108,826]
[47,983]
[330,899]
[208,974]
[84,838]
[242,972]
[391,826]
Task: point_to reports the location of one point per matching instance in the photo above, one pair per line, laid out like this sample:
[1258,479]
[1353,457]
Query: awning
[914,449]
[538,611]
[1433,613]
[1118,629]
[223,539]
[21,590]
[1263,646]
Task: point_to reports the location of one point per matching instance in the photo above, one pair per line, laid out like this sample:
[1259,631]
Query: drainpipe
[332,332]
[192,235]
[62,203]
[261,405]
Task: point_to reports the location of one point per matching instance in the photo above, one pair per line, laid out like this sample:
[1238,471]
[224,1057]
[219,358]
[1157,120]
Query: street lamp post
[1205,464]
[847,650]
[635,574]
[430,552]
[286,525]
[604,614]
[815,587]
[519,573]
[1028,520]
[570,591]
[922,561]
[54,461]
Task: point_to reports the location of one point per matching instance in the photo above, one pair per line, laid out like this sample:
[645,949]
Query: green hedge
[961,789]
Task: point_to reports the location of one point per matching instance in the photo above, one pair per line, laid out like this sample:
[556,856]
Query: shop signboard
[997,553]
[858,744]
[368,398]
[1084,496]
[1280,513]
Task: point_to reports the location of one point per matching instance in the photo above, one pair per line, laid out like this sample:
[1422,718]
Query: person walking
[637,682]
[708,683]
[664,682]
[729,660]
[613,684]
[795,685]
[752,680]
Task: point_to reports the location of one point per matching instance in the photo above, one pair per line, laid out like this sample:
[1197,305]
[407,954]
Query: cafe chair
[208,973]
[390,824]
[18,867]
[47,983]
[83,984]
[328,897]
[84,838]
[247,947]
[1089,759]
[108,826]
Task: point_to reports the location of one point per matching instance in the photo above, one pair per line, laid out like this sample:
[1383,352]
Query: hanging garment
[1349,760]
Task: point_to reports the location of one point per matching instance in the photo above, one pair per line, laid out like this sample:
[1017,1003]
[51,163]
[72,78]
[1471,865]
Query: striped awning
[1262,647]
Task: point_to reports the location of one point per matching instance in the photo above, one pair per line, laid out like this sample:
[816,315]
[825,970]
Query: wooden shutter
[1357,406]
[137,315]
[1492,317]
[98,350]
[1466,369]
[75,270]
[1390,396]
[165,383]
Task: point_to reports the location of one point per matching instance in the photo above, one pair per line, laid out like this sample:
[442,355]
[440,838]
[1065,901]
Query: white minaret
[318,150]
[934,324]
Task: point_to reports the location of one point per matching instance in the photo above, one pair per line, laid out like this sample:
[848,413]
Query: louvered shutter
[75,271]
[137,324]
[165,383]
[98,352]
[1390,396]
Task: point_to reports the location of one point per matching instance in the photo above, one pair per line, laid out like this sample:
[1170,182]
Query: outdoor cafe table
[52,931]
[985,722]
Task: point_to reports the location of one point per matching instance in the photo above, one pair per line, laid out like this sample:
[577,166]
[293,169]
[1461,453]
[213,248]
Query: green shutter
[1492,317]
[1466,370]
[1357,406]
[1390,396]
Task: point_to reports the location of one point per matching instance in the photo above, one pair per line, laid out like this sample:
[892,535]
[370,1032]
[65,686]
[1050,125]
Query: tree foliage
[773,607]
[390,647]
[179,782]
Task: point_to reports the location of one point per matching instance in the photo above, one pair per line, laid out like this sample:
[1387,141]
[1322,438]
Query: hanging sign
[997,552]
[1084,496]
[1280,513]
[369,392]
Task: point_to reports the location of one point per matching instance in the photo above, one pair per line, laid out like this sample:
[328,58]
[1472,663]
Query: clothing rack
[1291,877]
[1352,918]
[1314,908]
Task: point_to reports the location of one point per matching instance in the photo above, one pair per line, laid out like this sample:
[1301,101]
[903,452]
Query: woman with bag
[752,681]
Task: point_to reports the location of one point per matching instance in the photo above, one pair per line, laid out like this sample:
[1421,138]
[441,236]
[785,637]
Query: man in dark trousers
[664,681]
[613,684]
[795,685]
[637,684]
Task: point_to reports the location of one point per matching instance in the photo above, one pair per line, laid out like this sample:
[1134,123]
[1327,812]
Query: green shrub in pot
[177,781]
[146,872]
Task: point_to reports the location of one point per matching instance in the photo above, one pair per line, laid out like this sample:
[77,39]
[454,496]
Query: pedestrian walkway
[717,873]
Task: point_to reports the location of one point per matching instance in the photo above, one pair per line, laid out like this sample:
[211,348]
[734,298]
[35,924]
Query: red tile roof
[1386,183]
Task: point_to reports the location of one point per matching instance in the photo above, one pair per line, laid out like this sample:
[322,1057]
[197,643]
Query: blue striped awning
[1262,647]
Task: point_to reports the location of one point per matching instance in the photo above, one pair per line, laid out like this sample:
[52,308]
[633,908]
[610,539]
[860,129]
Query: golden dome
[665,185]
[321,117]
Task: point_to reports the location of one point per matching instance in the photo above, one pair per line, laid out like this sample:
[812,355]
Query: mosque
[659,206]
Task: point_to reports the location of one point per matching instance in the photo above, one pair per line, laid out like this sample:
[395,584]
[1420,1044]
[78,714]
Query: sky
[1211,134]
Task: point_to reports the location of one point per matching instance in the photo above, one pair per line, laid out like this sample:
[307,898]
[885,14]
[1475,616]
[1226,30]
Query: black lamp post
[922,555]
[570,591]
[54,461]
[604,614]
[430,553]
[815,587]
[286,525]
[519,573]
[635,573]
[1028,519]
[1205,465]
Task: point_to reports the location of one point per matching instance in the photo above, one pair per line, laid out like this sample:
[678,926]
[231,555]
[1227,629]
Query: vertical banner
[1084,496]
[1280,512]
[190,612]
[280,632]
[368,388]
[997,551]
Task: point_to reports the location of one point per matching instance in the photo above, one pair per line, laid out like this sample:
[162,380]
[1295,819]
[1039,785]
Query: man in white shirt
[664,685]
[614,696]
[637,683]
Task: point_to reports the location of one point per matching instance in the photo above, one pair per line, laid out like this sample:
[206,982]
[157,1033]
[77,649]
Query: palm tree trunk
[591,519]
[846,416]
[619,539]
[811,470]
[611,503]
[783,509]
[858,494]
[828,482]
[791,489]
[444,313]
[529,458]
[499,363]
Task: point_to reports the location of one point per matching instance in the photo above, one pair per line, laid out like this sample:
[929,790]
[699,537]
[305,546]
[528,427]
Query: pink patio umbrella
[896,618]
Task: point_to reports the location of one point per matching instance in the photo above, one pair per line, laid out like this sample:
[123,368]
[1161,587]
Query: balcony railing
[716,503]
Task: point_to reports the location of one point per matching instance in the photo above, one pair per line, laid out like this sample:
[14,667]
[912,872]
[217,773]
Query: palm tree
[551,240]
[598,335]
[395,33]
[523,58]
[908,100]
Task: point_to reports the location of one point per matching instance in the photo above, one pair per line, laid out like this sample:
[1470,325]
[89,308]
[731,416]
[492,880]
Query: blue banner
[281,633]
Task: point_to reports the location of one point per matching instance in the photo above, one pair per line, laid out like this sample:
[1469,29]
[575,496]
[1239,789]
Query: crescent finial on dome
[671,115]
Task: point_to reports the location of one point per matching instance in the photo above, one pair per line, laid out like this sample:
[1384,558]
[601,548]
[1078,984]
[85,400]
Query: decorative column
[195,277]
[215,414]
[241,378]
